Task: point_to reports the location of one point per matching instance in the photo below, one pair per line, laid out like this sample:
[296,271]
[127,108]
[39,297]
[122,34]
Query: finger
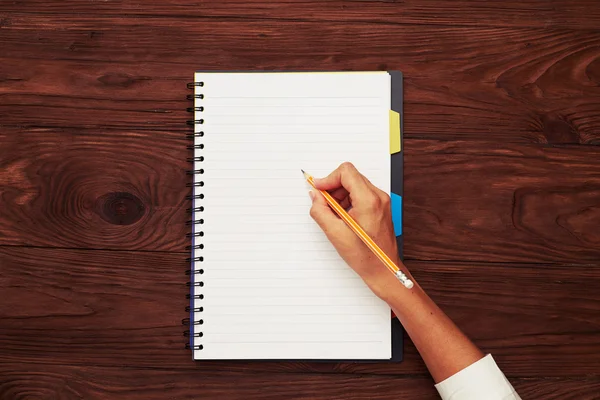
[323,215]
[339,194]
[346,176]
[345,203]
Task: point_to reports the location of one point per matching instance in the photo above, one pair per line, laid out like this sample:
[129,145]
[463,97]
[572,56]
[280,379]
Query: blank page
[273,287]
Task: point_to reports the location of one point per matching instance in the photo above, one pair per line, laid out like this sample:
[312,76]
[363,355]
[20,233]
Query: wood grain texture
[500,202]
[502,186]
[529,85]
[526,13]
[20,381]
[120,308]
[126,190]
[93,189]
[43,382]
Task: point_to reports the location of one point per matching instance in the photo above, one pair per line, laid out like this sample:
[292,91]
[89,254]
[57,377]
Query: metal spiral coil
[196,233]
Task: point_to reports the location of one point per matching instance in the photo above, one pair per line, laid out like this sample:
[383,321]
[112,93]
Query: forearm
[453,360]
[443,347]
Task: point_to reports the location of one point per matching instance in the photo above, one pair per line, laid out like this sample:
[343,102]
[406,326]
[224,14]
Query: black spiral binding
[194,283]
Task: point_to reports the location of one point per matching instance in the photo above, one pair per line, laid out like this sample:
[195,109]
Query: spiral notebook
[265,281]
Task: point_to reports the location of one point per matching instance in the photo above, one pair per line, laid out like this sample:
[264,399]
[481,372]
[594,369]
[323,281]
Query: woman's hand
[370,207]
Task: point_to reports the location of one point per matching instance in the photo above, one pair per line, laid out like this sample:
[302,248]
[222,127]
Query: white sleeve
[480,380]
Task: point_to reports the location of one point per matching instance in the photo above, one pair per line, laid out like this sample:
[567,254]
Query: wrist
[385,286]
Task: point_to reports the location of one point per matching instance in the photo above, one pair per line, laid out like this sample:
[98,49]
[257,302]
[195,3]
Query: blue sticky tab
[396,213]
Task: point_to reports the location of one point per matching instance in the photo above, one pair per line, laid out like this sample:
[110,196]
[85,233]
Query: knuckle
[385,200]
[347,166]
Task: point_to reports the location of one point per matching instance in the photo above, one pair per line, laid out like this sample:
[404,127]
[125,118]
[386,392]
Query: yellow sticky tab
[395,141]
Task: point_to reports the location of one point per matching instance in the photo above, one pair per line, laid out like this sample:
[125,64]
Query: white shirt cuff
[480,380]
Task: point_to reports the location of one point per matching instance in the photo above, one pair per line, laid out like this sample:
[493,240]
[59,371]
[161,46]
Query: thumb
[323,215]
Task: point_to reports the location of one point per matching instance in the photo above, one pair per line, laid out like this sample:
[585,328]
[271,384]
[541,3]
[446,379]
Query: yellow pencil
[352,224]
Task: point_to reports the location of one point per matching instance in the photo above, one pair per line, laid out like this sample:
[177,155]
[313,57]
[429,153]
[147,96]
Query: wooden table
[502,186]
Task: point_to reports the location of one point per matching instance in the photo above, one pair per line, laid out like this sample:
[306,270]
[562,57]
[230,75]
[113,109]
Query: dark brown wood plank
[576,14]
[509,84]
[478,201]
[67,383]
[19,381]
[119,308]
[500,202]
[93,189]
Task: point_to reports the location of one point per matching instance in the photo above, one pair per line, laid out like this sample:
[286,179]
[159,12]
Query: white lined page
[273,286]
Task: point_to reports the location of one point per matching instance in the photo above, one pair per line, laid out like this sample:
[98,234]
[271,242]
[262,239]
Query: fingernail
[311,194]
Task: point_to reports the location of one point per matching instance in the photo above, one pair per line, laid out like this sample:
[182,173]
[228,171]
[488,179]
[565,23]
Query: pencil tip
[302,171]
